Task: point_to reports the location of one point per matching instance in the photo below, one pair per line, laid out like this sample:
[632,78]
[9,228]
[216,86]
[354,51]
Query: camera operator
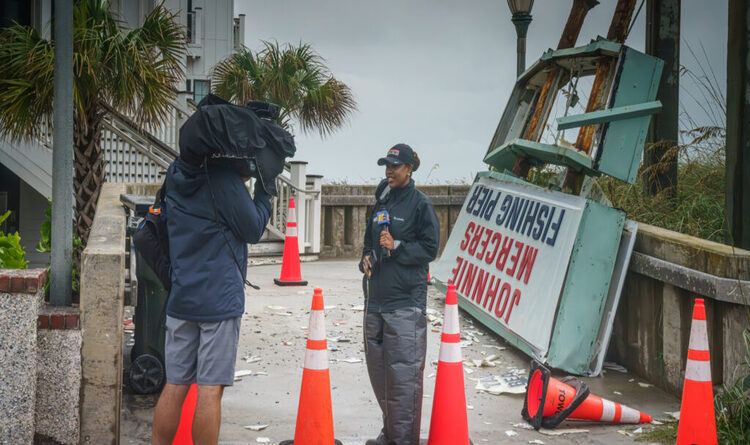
[401,238]
[211,219]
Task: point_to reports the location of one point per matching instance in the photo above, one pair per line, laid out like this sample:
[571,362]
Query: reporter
[395,261]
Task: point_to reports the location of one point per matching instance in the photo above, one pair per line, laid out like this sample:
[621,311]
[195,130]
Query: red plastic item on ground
[290,263]
[449,423]
[184,434]
[697,415]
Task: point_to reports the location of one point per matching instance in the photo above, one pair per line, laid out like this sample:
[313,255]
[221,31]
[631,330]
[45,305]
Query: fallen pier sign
[510,254]
[537,266]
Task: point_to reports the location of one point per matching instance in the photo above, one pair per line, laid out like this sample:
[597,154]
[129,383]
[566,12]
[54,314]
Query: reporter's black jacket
[400,280]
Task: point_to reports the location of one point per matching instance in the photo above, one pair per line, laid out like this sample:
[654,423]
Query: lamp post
[521,10]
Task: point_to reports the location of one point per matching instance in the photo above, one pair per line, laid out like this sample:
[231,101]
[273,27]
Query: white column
[242,30]
[316,182]
[198,28]
[299,178]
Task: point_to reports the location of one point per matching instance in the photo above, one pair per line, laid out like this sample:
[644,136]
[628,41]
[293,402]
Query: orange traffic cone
[550,401]
[449,424]
[315,415]
[290,272]
[184,434]
[697,416]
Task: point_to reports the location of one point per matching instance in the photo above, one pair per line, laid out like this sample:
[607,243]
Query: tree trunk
[89,171]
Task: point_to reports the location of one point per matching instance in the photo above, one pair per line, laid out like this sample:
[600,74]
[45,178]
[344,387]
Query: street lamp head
[520,6]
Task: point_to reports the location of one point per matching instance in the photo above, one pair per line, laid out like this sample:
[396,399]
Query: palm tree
[293,77]
[131,71]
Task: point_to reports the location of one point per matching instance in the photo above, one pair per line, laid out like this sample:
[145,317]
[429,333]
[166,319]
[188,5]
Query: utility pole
[738,125]
[62,158]
[663,41]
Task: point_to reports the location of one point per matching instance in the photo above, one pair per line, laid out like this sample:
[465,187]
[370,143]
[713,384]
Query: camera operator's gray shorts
[202,353]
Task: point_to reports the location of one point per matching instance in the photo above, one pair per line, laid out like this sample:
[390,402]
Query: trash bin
[147,371]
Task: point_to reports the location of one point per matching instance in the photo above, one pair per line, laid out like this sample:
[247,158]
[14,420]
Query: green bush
[45,246]
[733,406]
[12,255]
[696,206]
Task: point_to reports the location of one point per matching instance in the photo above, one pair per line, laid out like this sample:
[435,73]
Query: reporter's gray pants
[395,348]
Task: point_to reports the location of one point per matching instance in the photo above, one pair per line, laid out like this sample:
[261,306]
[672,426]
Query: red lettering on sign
[455,270]
[514,302]
[475,239]
[479,288]
[461,276]
[496,238]
[527,263]
[502,257]
[467,235]
[514,259]
[489,299]
[469,281]
[504,294]
[488,233]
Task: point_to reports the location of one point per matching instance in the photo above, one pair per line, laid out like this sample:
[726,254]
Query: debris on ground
[618,393]
[276,308]
[562,431]
[511,433]
[339,322]
[243,373]
[287,343]
[255,427]
[536,441]
[251,358]
[615,367]
[352,360]
[501,348]
[339,339]
[645,385]
[128,324]
[487,362]
[510,382]
[263,440]
[359,307]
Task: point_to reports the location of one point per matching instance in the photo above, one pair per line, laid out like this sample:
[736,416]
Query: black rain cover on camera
[235,135]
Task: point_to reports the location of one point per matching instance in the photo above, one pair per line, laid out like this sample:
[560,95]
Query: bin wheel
[146,374]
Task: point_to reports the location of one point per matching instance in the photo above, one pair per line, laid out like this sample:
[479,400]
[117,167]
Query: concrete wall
[21,296]
[58,387]
[102,290]
[652,326]
[346,208]
[40,363]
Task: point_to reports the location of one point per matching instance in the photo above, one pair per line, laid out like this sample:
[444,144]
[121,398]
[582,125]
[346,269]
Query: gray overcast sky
[436,74]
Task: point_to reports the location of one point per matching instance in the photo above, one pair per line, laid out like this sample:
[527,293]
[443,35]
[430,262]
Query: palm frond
[26,80]
[327,108]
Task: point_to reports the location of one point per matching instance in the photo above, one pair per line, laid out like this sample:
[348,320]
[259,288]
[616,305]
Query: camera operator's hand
[386,240]
[367,266]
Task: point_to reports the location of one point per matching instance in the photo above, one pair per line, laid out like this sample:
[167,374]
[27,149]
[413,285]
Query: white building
[25,168]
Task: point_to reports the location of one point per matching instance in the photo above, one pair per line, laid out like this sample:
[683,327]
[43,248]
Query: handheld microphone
[384,220]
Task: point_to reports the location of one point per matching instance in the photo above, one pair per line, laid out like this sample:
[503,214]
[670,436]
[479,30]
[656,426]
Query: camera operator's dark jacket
[207,283]
[400,280]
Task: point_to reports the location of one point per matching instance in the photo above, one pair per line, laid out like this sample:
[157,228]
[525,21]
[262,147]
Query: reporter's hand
[386,240]
[367,266]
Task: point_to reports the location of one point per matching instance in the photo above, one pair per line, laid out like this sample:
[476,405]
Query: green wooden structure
[589,295]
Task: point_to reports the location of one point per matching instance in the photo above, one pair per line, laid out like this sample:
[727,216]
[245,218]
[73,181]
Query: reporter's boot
[381,440]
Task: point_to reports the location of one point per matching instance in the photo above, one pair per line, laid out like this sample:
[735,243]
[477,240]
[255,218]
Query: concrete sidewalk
[273,329]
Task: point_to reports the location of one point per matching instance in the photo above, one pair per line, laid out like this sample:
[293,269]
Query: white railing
[306,191]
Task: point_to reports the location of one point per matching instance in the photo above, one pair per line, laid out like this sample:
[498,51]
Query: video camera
[244,138]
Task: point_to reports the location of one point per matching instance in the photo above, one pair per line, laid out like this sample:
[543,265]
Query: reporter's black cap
[399,154]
